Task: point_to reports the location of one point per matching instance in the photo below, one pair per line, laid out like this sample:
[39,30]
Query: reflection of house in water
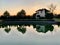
[40,28]
[44,28]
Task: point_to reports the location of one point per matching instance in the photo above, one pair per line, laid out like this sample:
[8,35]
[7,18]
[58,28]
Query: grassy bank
[56,19]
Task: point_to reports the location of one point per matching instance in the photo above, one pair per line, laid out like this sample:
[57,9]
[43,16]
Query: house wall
[40,13]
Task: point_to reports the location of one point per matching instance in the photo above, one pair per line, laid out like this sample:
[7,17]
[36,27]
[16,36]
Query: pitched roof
[43,9]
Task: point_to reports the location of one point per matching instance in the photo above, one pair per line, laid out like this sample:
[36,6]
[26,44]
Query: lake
[48,34]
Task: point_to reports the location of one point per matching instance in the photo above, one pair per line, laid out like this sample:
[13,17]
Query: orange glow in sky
[30,6]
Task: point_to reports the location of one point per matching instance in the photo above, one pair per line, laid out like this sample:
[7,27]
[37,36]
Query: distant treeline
[22,15]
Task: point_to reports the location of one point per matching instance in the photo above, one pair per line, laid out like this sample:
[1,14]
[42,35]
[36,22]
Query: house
[41,13]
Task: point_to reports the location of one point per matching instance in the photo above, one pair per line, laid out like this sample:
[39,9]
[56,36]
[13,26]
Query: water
[30,34]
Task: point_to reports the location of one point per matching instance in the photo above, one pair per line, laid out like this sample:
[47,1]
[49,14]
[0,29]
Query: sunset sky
[30,6]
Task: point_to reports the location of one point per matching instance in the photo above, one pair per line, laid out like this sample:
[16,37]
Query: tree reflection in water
[7,29]
[44,28]
[21,29]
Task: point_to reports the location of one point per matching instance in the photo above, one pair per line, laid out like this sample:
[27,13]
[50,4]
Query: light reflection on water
[30,35]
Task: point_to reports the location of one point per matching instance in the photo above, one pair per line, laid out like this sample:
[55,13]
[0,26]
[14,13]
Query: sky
[30,6]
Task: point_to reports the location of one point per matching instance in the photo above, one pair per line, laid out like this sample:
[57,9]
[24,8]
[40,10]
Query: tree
[21,29]
[49,15]
[34,16]
[21,14]
[6,14]
[52,8]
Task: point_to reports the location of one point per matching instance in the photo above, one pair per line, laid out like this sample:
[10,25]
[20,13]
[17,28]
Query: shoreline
[28,22]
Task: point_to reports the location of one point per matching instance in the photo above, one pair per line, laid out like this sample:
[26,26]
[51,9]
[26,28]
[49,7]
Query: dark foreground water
[30,34]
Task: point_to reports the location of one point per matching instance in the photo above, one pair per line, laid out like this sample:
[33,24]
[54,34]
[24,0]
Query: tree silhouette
[52,8]
[21,14]
[49,15]
[34,16]
[6,14]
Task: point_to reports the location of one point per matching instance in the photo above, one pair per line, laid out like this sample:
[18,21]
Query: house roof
[43,9]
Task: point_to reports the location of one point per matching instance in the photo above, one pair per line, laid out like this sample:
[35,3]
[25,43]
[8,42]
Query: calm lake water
[30,35]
